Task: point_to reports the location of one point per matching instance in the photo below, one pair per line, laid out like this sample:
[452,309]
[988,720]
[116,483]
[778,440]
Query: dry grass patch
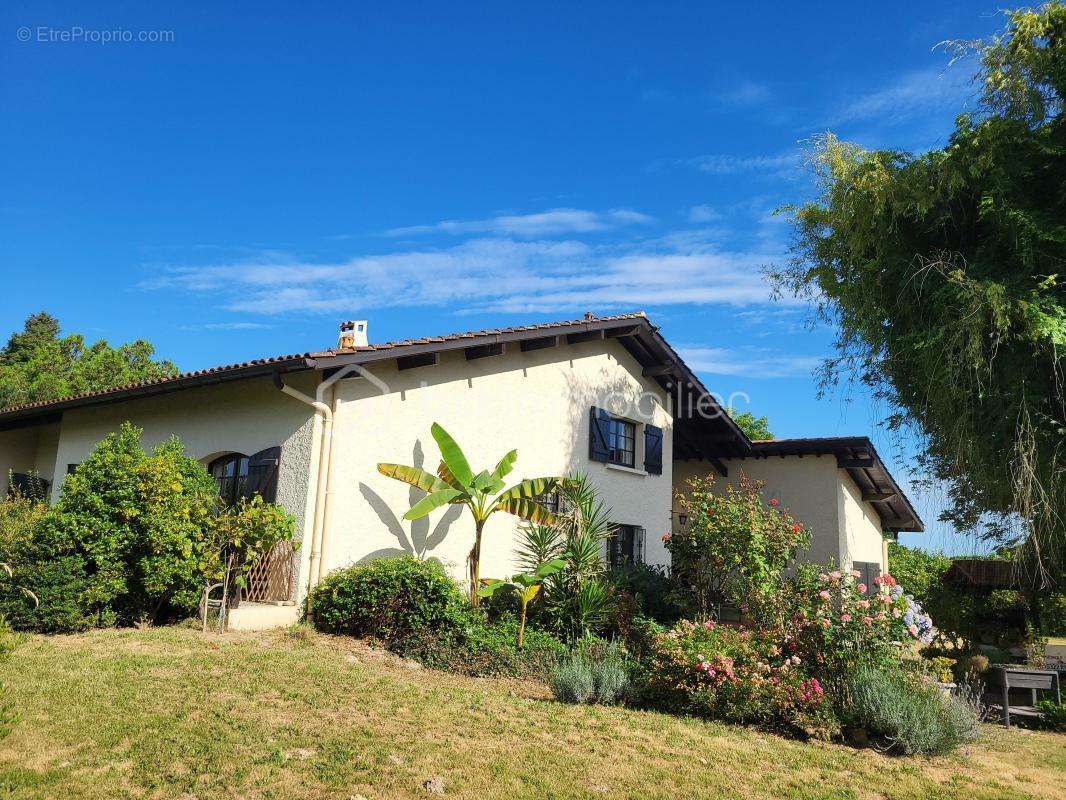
[172,713]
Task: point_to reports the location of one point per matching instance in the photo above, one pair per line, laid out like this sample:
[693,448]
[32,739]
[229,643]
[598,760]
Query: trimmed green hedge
[390,599]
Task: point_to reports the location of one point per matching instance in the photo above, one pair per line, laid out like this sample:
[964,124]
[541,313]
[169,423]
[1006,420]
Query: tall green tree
[482,493]
[38,364]
[755,428]
[945,274]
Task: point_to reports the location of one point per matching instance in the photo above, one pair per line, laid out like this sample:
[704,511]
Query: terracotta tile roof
[264,365]
[162,383]
[453,337]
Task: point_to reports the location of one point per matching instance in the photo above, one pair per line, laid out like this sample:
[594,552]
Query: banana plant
[526,584]
[483,493]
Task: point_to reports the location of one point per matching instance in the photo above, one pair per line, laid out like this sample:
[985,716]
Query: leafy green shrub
[1054,715]
[391,599]
[134,529]
[481,648]
[593,672]
[652,593]
[911,716]
[734,546]
[57,577]
[134,535]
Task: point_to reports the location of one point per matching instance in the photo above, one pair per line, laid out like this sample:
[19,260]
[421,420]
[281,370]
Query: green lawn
[170,713]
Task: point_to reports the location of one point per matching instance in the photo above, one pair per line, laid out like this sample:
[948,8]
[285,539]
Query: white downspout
[325,462]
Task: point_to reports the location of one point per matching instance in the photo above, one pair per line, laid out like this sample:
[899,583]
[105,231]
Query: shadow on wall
[420,540]
[605,387]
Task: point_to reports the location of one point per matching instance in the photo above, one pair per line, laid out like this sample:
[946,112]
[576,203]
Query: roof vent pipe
[353,334]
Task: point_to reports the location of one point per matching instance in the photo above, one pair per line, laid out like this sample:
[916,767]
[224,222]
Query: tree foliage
[944,273]
[38,364]
[755,428]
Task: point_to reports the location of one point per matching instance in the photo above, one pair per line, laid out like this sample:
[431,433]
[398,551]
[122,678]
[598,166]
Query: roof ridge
[588,318]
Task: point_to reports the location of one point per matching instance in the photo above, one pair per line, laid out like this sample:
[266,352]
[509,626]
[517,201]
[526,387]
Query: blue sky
[238,190]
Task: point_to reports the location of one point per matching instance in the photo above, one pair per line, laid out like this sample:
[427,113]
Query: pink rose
[824,595]
[863,604]
[835,575]
[825,623]
[861,588]
[845,617]
[856,574]
[913,630]
[867,621]
[774,502]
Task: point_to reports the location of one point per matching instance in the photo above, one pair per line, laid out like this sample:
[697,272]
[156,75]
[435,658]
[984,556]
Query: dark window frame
[231,486]
[622,442]
[625,548]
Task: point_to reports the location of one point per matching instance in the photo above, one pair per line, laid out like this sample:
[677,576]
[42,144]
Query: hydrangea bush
[839,625]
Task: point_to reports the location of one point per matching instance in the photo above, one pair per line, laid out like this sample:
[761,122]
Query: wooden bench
[1008,677]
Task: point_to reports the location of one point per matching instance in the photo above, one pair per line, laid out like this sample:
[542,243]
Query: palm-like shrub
[483,493]
[578,599]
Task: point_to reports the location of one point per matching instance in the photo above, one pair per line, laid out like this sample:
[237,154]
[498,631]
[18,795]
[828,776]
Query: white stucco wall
[817,493]
[241,416]
[536,402]
[861,538]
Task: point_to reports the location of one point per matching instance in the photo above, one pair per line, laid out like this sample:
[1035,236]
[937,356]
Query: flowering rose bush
[731,673]
[734,545]
[838,627]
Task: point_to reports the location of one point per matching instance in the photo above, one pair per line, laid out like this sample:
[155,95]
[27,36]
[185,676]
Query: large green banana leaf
[432,501]
[414,476]
[452,455]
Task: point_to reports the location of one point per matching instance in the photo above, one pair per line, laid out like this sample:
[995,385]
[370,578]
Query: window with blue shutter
[599,435]
[653,450]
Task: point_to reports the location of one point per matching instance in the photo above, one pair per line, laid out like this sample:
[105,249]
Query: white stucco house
[605,396]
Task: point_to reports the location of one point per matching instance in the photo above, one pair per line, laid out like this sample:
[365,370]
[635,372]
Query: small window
[72,468]
[622,442]
[626,547]
[550,501]
[231,474]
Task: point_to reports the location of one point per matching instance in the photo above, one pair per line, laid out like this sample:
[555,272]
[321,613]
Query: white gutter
[325,475]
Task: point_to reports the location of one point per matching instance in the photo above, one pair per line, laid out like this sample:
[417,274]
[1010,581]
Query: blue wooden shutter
[653,449]
[599,449]
[263,474]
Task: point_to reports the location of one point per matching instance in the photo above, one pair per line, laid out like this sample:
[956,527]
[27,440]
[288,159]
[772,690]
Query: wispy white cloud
[703,213]
[727,164]
[744,93]
[749,362]
[492,274]
[917,93]
[554,222]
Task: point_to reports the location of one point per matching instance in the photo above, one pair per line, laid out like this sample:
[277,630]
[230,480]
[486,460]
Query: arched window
[231,473]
